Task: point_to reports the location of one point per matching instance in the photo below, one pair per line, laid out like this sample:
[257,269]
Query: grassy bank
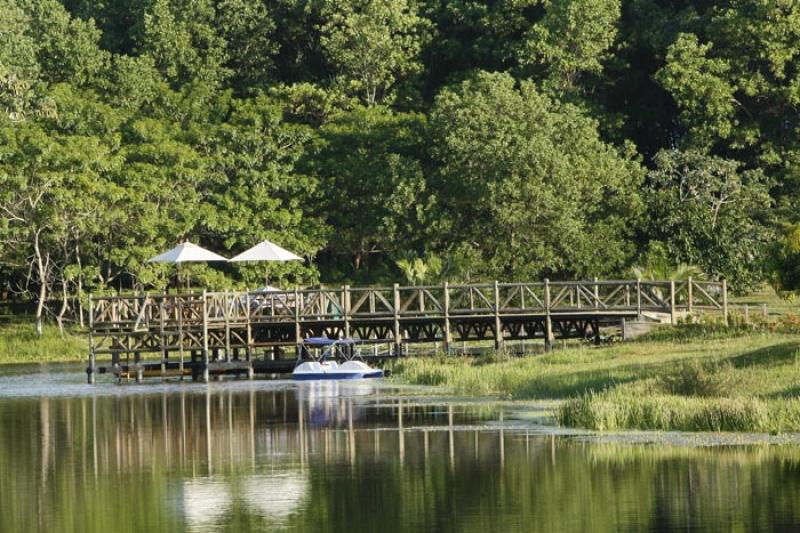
[689,378]
[20,344]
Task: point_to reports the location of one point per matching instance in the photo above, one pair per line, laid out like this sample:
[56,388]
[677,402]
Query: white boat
[324,369]
[331,370]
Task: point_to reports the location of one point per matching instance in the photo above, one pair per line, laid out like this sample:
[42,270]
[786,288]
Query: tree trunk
[41,266]
[80,286]
[64,307]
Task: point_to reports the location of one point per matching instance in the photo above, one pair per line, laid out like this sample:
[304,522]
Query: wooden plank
[498,325]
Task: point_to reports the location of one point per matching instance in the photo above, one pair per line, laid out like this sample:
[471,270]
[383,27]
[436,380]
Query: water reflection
[330,457]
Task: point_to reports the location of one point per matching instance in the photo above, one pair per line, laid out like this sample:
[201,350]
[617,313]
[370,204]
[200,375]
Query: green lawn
[20,344]
[688,378]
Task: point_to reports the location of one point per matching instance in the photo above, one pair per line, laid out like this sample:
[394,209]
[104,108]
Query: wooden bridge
[244,332]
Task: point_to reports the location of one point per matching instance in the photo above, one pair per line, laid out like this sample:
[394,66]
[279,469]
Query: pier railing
[143,311]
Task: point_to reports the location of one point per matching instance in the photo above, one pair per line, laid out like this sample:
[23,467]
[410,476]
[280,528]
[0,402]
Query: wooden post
[764,312]
[179,307]
[398,341]
[205,338]
[448,338]
[548,322]
[638,297]
[162,335]
[498,325]
[298,332]
[690,294]
[725,301]
[346,309]
[249,347]
[226,303]
[137,357]
[673,318]
[90,369]
[596,294]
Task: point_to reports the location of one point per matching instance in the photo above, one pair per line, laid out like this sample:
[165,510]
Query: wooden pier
[205,333]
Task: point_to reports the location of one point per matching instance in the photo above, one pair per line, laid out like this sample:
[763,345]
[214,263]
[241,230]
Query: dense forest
[386,140]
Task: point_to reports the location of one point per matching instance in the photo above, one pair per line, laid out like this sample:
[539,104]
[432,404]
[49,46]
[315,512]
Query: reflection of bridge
[220,332]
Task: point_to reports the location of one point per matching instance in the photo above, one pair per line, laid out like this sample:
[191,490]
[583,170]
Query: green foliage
[710,213]
[700,88]
[19,343]
[572,39]
[508,189]
[785,261]
[374,191]
[419,270]
[372,43]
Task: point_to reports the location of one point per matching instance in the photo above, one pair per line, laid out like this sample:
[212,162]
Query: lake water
[273,455]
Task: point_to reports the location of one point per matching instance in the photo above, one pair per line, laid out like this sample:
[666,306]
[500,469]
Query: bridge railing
[145,311]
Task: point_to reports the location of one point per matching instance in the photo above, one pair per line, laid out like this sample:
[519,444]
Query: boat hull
[313,376]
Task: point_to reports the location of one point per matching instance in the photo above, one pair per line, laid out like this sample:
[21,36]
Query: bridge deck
[226,328]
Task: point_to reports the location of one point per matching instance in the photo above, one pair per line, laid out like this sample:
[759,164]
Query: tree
[784,261]
[68,48]
[246,27]
[701,89]
[574,38]
[710,213]
[737,92]
[373,43]
[511,190]
[182,38]
[256,192]
[19,65]
[52,196]
[373,189]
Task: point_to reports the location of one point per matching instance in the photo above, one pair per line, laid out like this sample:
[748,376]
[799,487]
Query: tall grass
[620,409]
[20,344]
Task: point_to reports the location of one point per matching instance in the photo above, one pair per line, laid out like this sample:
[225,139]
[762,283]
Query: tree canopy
[458,139]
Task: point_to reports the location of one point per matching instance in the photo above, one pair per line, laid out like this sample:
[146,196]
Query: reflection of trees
[250,457]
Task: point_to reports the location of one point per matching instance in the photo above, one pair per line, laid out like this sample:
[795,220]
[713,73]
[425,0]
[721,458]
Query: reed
[623,409]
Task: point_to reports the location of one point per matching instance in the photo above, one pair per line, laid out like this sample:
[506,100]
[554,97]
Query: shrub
[696,378]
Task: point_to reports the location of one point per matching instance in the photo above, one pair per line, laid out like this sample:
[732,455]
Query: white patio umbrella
[187,252]
[266,251]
